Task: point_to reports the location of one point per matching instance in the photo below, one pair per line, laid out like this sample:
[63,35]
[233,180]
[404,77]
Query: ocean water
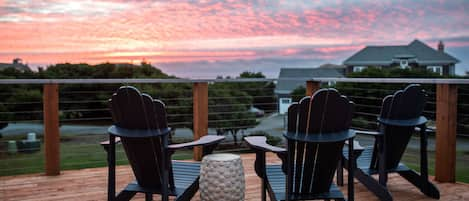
[209,70]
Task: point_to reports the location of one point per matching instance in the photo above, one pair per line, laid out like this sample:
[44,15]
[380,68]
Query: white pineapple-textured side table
[221,178]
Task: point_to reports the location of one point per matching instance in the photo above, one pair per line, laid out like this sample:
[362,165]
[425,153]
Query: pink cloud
[58,30]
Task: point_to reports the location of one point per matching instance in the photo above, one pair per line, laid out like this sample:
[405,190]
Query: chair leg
[382,174]
[189,193]
[340,173]
[425,186]
[351,163]
[125,195]
[148,196]
[371,184]
[264,189]
[111,159]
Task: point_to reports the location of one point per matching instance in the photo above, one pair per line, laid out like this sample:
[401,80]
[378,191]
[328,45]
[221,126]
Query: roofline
[282,91]
[301,68]
[426,62]
[367,63]
[349,62]
[439,62]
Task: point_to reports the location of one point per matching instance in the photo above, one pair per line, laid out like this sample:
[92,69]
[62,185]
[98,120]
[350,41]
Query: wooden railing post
[51,129]
[312,86]
[446,122]
[200,114]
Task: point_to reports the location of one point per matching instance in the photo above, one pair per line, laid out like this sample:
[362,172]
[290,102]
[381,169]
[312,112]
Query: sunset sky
[202,39]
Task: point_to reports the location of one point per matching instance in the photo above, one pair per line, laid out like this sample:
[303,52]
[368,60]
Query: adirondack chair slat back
[312,165]
[402,105]
[132,110]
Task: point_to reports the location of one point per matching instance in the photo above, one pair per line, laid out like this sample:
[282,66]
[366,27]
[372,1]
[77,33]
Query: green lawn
[84,151]
[76,152]
[412,159]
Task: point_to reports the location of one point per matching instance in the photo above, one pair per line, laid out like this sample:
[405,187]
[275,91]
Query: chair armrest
[356,146]
[137,133]
[105,144]
[430,129]
[203,141]
[259,143]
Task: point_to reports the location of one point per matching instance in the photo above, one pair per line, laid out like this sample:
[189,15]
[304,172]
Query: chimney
[16,61]
[441,46]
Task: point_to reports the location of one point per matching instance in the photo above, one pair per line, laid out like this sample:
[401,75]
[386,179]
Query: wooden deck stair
[90,184]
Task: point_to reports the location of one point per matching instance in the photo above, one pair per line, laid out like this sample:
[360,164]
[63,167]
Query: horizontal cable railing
[84,117]
[236,108]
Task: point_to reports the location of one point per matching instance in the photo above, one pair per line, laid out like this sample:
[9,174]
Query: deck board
[90,184]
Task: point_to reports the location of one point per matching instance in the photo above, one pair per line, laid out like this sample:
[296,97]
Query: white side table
[221,178]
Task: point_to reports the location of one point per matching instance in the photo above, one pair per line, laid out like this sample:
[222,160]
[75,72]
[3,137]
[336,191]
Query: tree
[229,103]
[4,117]
[229,109]
[298,93]
[262,92]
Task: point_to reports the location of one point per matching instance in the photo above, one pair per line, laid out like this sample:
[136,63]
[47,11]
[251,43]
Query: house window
[404,64]
[284,104]
[435,69]
[358,68]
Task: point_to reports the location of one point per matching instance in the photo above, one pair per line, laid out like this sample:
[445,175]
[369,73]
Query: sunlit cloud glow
[170,33]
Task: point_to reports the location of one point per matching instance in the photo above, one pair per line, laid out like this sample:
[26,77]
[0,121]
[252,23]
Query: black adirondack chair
[318,128]
[400,117]
[140,125]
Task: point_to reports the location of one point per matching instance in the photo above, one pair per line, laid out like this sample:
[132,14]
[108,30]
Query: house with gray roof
[291,78]
[16,64]
[414,55]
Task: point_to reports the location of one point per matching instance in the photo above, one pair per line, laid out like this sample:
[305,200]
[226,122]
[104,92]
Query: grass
[84,151]
[76,152]
[412,159]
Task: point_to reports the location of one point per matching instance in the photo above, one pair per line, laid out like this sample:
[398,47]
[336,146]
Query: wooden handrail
[151,80]
[128,80]
[394,80]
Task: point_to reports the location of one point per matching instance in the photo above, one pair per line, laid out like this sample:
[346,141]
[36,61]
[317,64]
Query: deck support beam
[446,125]
[200,114]
[51,129]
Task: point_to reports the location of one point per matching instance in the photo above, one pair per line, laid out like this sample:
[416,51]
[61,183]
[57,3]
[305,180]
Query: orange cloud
[54,31]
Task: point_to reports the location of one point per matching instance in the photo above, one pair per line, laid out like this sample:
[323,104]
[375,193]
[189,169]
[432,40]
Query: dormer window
[404,64]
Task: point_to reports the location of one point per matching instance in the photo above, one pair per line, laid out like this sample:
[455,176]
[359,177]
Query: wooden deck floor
[90,184]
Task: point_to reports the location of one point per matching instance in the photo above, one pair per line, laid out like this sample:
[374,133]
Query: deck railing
[190,100]
[446,97]
[446,117]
